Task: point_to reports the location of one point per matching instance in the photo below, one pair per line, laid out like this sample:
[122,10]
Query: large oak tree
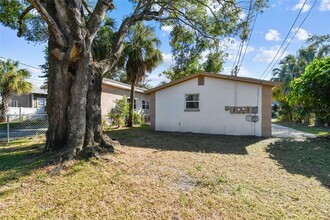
[70,26]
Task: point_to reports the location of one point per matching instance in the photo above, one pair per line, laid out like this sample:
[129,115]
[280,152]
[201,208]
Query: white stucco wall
[212,118]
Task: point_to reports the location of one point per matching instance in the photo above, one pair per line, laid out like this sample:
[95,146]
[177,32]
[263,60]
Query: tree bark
[58,98]
[4,107]
[74,88]
[73,106]
[131,105]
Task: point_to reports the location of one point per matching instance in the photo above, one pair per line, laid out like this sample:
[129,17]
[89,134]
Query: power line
[258,90]
[248,42]
[290,41]
[23,64]
[235,68]
[286,37]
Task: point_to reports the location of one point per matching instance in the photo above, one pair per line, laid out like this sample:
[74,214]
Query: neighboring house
[213,104]
[35,99]
[113,90]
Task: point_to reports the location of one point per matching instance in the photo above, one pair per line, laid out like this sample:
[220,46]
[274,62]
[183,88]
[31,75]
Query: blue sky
[270,30]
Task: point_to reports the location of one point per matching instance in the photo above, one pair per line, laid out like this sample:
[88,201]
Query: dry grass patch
[159,175]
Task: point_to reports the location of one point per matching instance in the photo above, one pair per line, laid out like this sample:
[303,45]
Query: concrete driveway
[280,131]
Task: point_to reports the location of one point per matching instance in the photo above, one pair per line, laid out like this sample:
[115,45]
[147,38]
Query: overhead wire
[286,37]
[235,68]
[261,77]
[290,41]
[27,65]
[23,64]
[248,42]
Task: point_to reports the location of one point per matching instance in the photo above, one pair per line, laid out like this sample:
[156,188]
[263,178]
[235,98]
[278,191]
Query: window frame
[191,101]
[44,100]
[134,104]
[13,101]
[145,104]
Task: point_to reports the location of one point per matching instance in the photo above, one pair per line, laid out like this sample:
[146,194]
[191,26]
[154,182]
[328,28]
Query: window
[13,103]
[192,102]
[41,102]
[145,104]
[129,100]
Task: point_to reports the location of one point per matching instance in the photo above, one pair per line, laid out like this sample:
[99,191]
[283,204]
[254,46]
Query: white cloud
[242,15]
[155,7]
[277,4]
[267,54]
[272,35]
[302,34]
[242,72]
[231,46]
[299,5]
[168,60]
[167,28]
[325,5]
[155,77]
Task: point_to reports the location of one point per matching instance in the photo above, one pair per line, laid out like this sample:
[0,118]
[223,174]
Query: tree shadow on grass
[144,137]
[19,161]
[310,158]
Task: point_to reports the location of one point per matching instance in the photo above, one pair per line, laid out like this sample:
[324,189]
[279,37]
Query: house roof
[37,90]
[121,85]
[217,76]
[106,81]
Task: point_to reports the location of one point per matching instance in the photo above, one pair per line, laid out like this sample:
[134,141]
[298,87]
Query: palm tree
[12,80]
[139,56]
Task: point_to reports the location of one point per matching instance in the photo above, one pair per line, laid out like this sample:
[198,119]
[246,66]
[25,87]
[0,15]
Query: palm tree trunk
[4,106]
[131,105]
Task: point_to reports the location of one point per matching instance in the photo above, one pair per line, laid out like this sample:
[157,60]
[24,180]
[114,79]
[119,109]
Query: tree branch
[20,20]
[54,29]
[86,7]
[98,16]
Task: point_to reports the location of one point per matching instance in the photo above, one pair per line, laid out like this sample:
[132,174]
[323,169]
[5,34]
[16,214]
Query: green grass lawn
[164,175]
[320,131]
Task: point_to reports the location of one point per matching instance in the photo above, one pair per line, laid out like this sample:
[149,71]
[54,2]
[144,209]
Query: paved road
[285,132]
[21,133]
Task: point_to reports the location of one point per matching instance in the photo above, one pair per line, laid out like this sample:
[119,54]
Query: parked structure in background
[214,104]
[35,102]
[35,99]
[113,90]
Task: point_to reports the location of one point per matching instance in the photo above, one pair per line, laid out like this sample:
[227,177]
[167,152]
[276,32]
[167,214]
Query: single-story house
[214,104]
[113,90]
[35,99]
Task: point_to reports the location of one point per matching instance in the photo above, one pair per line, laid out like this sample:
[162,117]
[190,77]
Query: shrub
[137,118]
[119,112]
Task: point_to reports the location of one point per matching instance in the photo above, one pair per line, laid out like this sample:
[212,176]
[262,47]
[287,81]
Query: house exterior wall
[212,118]
[24,100]
[266,125]
[35,98]
[110,94]
[27,100]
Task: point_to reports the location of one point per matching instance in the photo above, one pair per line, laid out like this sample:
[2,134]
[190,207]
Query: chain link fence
[22,126]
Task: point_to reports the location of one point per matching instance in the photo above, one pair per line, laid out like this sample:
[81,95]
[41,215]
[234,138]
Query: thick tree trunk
[74,85]
[58,98]
[131,106]
[73,106]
